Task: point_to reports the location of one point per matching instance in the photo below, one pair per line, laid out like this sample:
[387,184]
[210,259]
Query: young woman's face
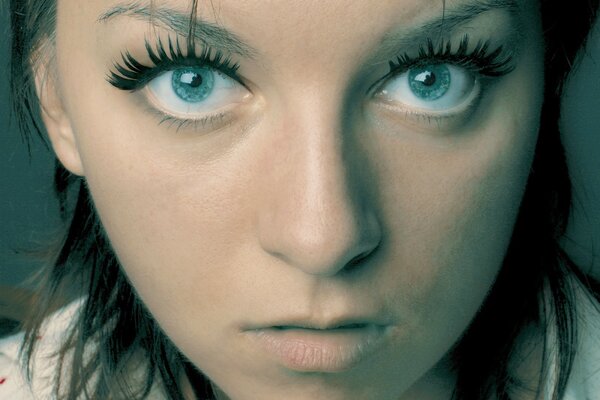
[324,221]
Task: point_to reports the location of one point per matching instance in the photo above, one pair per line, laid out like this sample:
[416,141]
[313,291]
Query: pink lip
[321,350]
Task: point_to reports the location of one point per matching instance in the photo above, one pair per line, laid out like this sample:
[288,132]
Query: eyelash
[194,124]
[132,75]
[480,60]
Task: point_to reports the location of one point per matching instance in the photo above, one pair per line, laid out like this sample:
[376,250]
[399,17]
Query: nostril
[357,260]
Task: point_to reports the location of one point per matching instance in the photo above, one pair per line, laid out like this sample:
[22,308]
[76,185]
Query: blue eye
[435,87]
[193,84]
[430,83]
[194,92]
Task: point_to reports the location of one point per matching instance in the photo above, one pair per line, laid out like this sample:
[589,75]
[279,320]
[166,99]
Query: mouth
[316,328]
[310,347]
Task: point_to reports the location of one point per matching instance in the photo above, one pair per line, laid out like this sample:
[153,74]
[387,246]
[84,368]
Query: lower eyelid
[473,98]
[152,101]
[210,122]
[428,118]
[206,123]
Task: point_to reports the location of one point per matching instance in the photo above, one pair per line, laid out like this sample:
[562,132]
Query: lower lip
[328,350]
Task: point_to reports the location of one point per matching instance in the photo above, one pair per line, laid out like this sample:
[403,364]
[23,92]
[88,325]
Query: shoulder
[13,382]
[46,364]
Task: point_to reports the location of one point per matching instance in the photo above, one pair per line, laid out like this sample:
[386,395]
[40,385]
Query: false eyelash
[133,75]
[480,59]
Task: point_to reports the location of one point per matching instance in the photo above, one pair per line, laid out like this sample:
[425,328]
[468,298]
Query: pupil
[426,78]
[196,81]
[192,78]
[429,79]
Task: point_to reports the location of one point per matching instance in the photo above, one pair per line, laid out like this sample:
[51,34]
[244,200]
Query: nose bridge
[315,218]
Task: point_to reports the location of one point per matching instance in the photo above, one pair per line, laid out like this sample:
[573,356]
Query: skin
[256,218]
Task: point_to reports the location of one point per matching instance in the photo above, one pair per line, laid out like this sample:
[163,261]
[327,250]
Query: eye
[435,88]
[194,92]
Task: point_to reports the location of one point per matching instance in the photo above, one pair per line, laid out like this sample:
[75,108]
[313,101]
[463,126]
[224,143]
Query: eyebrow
[207,33]
[216,36]
[445,24]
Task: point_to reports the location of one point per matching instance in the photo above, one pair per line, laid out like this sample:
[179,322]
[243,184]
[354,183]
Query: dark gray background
[28,212]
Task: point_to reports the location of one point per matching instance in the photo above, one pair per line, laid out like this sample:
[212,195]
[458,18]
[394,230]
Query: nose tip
[322,242]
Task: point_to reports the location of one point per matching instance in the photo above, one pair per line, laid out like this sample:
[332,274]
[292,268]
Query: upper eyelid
[207,53]
[451,21]
[422,59]
[165,58]
[488,59]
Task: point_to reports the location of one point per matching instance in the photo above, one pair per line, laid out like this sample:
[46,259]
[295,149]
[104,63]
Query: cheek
[174,222]
[171,228]
[449,213]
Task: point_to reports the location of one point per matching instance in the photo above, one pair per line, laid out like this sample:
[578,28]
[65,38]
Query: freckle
[2,380]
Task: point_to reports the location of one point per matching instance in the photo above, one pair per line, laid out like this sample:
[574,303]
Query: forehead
[266,9]
[306,18]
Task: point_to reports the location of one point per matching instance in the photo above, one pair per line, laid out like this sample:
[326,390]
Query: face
[311,200]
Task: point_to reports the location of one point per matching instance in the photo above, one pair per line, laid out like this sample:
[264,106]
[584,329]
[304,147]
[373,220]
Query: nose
[317,216]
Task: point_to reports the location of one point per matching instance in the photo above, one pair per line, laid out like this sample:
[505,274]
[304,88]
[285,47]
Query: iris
[429,82]
[193,85]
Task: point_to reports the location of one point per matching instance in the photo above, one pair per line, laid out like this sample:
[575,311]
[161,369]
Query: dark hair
[535,284]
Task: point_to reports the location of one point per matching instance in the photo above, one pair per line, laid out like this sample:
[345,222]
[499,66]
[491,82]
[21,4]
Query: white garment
[584,383]
[14,385]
